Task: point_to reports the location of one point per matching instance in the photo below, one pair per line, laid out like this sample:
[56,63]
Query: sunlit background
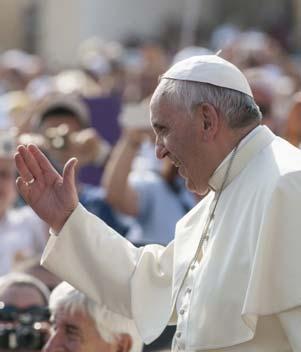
[55,29]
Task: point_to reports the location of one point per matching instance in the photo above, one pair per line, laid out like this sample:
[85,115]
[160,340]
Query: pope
[231,278]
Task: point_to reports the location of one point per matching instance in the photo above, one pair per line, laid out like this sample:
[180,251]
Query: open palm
[52,196]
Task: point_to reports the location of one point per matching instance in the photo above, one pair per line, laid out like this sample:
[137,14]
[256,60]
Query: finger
[41,159]
[30,162]
[22,188]
[69,172]
[22,168]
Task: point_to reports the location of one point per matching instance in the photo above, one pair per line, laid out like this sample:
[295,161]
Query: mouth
[180,168]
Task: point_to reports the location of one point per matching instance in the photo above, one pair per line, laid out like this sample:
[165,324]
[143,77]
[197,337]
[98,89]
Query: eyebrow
[71,327]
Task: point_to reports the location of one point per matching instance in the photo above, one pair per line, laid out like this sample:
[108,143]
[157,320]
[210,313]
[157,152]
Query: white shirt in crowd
[22,235]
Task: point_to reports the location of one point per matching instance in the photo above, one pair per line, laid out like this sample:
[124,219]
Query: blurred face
[59,124]
[22,297]
[264,100]
[7,184]
[178,137]
[75,333]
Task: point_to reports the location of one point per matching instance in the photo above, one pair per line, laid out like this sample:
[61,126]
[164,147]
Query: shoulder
[288,186]
[275,165]
[285,156]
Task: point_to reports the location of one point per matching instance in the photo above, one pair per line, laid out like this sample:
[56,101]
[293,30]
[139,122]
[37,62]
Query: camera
[58,136]
[22,328]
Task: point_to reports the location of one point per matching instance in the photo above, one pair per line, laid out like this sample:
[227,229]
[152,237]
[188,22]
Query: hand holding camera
[61,144]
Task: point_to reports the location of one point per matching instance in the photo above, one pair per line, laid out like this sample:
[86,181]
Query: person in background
[62,129]
[81,325]
[292,125]
[31,266]
[22,233]
[24,315]
[262,85]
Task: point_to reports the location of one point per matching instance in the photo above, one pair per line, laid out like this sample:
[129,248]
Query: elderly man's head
[201,109]
[79,325]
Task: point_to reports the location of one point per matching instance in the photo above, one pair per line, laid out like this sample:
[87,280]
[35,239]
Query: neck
[227,141]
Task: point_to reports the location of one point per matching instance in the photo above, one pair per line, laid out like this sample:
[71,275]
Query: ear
[125,343]
[208,119]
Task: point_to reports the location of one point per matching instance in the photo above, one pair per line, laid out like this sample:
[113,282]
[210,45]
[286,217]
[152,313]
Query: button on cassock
[188,290]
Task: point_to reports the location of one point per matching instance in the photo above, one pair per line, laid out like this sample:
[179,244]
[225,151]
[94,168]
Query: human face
[179,137]
[22,296]
[7,184]
[75,333]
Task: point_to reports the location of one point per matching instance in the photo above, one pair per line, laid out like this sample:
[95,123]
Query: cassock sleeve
[135,282]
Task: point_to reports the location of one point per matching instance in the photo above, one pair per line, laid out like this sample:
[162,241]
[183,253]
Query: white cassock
[245,293]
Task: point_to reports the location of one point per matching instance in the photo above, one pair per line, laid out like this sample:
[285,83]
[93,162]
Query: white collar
[249,146]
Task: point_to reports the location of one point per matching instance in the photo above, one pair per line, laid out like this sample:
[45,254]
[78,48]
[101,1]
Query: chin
[189,185]
[201,191]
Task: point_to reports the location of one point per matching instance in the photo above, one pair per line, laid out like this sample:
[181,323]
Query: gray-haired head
[209,79]
[108,324]
[238,109]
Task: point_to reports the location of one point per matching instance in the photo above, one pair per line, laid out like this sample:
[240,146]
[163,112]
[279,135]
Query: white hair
[239,109]
[108,324]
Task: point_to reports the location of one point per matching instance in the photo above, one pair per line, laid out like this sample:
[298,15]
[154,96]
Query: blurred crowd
[98,112]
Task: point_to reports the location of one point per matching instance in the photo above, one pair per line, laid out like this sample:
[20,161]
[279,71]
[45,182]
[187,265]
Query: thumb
[69,172]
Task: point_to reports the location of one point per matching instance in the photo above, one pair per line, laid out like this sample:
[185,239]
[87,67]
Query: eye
[158,128]
[72,333]
[162,131]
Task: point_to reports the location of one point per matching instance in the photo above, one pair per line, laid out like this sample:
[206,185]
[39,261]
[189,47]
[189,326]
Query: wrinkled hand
[52,196]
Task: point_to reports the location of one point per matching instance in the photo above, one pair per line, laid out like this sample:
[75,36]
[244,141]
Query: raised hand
[52,196]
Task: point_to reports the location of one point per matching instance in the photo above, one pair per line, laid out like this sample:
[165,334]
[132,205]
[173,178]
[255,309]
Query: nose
[160,149]
[54,344]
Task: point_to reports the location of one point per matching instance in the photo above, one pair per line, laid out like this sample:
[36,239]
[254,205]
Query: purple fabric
[104,113]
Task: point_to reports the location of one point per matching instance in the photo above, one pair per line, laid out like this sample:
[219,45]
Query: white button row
[192,266]
[188,290]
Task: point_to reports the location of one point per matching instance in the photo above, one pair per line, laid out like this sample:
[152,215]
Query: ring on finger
[30,182]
